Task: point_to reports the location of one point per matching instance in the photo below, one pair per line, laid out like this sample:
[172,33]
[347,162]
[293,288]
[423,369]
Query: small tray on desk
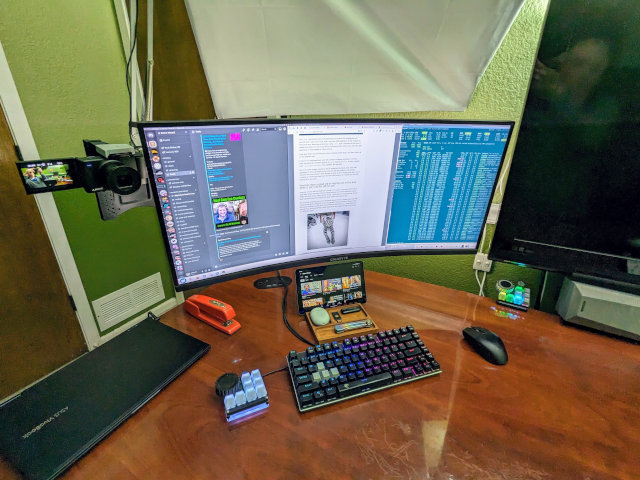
[326,333]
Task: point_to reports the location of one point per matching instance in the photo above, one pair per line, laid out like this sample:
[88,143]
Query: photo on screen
[335,300]
[351,282]
[230,211]
[45,176]
[331,285]
[312,302]
[327,229]
[311,288]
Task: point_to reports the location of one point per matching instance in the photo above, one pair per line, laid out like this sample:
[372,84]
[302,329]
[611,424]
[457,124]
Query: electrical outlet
[481,262]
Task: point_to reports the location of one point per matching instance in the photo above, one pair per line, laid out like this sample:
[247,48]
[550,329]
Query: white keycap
[320,365]
[256,375]
[316,376]
[261,391]
[325,374]
[246,377]
[334,372]
[229,402]
[251,394]
[241,398]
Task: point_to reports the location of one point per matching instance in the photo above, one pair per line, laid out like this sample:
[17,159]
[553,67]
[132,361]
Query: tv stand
[605,308]
[272,282]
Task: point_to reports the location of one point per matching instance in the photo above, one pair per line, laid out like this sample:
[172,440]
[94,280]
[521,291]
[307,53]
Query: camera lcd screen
[46,175]
[330,285]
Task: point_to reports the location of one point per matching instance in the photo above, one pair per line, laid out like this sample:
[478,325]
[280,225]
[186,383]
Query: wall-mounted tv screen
[572,198]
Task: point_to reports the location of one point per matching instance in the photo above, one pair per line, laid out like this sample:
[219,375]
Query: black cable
[126,73]
[285,319]
[275,371]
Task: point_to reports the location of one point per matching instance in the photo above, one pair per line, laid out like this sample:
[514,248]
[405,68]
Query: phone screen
[330,285]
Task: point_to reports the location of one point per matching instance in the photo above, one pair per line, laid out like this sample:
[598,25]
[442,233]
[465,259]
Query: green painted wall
[68,64]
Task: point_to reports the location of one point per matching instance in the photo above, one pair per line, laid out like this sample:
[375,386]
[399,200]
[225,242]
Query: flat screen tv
[572,200]
[242,197]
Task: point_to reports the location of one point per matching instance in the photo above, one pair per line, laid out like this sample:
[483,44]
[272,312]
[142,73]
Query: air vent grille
[128,301]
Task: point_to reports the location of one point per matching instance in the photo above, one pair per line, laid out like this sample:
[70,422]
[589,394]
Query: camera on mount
[107,167]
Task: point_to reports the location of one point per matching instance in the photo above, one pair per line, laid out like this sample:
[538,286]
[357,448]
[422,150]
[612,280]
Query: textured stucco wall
[67,61]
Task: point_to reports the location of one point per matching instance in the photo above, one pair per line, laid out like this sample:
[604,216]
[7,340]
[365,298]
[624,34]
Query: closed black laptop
[53,423]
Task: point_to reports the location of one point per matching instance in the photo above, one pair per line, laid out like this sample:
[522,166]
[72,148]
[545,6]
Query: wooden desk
[564,407]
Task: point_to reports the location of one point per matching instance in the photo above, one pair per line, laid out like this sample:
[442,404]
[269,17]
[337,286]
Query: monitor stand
[272,282]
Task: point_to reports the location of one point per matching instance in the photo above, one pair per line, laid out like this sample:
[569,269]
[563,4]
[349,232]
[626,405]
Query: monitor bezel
[141,126]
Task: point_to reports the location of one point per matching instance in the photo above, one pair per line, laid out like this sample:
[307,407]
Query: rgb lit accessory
[514,296]
[243,395]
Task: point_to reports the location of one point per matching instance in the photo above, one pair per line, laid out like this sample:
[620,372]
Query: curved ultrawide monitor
[241,197]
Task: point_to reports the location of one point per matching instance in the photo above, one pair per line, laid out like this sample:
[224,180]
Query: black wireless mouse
[487,344]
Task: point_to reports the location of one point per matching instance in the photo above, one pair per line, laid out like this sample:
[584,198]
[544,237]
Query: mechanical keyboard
[337,371]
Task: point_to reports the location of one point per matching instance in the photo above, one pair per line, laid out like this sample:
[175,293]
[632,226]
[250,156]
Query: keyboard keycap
[405,337]
[407,372]
[240,398]
[306,399]
[251,394]
[331,392]
[365,384]
[261,390]
[308,387]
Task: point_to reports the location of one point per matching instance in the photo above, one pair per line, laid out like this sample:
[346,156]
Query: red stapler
[218,314]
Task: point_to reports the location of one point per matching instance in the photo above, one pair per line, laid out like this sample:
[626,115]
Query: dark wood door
[39,330]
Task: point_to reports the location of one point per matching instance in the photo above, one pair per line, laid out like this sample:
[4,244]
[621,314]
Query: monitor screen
[240,197]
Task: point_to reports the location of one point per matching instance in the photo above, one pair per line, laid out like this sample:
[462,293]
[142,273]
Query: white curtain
[286,57]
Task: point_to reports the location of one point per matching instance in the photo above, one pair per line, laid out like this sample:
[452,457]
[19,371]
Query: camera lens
[124,181]
[119,178]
